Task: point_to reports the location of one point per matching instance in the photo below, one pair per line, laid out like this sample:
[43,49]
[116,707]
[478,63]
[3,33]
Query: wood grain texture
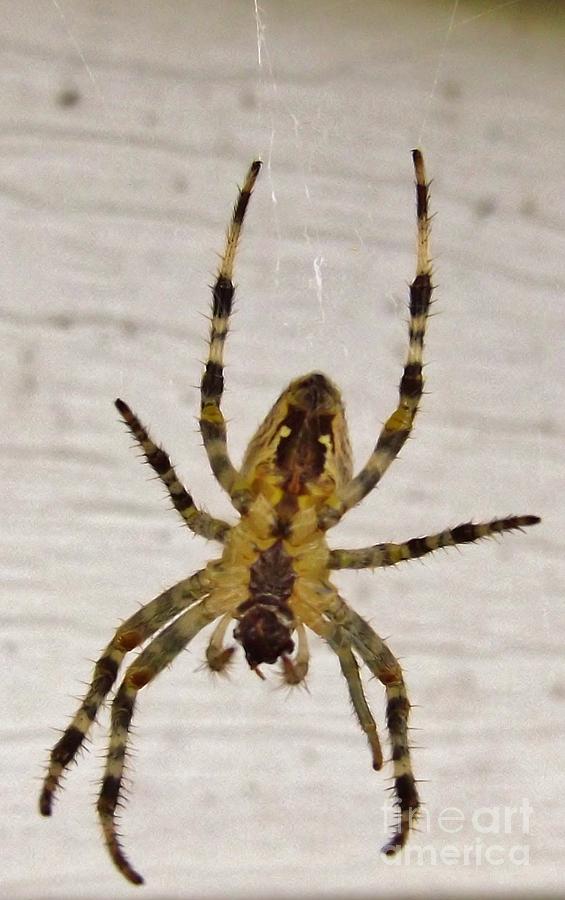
[124,132]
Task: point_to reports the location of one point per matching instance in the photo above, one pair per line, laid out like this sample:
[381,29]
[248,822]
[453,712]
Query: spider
[273,577]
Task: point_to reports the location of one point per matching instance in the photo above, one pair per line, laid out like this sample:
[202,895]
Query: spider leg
[212,422]
[156,656]
[199,522]
[133,632]
[342,647]
[383,664]
[399,425]
[380,555]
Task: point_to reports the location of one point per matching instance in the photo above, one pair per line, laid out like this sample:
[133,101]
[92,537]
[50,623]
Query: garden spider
[272,578]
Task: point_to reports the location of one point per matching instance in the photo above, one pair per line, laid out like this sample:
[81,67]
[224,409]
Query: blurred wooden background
[125,129]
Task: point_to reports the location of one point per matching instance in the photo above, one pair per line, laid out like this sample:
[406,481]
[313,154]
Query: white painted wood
[124,131]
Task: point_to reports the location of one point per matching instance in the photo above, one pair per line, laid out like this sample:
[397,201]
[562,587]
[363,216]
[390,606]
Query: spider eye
[264,634]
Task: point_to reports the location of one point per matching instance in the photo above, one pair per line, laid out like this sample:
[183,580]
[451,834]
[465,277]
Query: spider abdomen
[300,454]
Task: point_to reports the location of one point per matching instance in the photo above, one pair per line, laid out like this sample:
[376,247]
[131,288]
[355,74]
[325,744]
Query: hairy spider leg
[383,664]
[152,660]
[212,422]
[341,645]
[399,425]
[133,632]
[199,522]
[380,555]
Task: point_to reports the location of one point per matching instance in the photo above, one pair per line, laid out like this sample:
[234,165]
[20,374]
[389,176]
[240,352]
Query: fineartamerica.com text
[485,841]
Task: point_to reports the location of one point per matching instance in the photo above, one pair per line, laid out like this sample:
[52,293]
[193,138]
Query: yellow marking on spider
[400,420]
[212,414]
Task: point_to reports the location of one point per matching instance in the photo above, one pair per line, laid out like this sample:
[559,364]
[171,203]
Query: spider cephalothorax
[266,620]
[273,577]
